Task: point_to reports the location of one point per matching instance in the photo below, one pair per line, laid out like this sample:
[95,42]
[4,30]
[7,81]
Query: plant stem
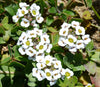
[96,26]
[7,72]
[96,12]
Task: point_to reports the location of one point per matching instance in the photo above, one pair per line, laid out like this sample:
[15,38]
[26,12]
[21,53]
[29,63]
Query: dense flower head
[27,14]
[51,69]
[73,37]
[34,43]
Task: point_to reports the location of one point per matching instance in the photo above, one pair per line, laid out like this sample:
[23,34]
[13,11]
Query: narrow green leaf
[51,29]
[49,20]
[68,12]
[2,31]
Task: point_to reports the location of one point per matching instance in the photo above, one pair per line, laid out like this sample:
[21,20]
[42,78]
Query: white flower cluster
[29,15]
[34,43]
[73,37]
[51,69]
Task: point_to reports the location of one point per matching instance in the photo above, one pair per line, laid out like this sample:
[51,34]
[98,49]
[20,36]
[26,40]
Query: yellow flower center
[47,61]
[41,47]
[70,40]
[27,43]
[67,74]
[89,86]
[30,51]
[44,39]
[64,32]
[34,12]
[23,12]
[48,74]
[32,34]
[85,38]
[25,22]
[79,30]
[79,43]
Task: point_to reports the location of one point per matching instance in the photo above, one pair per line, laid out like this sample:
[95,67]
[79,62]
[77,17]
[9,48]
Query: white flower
[48,74]
[41,47]
[72,48]
[33,23]
[30,52]
[38,32]
[39,18]
[21,50]
[52,82]
[62,71]
[35,72]
[74,24]
[63,32]
[31,34]
[61,42]
[57,64]
[80,30]
[86,39]
[41,75]
[88,85]
[22,12]
[48,60]
[49,46]
[23,4]
[70,40]
[23,36]
[34,10]
[32,58]
[39,57]
[45,38]
[65,25]
[25,22]
[40,65]
[27,43]
[34,6]
[80,44]
[68,73]
[15,18]
[56,74]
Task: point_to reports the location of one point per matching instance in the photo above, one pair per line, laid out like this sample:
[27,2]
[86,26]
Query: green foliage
[71,82]
[12,9]
[74,61]
[52,10]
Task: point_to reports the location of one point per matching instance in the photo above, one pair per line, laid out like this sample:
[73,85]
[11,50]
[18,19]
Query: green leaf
[5,60]
[51,29]
[90,67]
[57,49]
[17,65]
[96,57]
[49,20]
[54,38]
[69,82]
[2,41]
[79,68]
[2,31]
[5,20]
[68,13]
[89,48]
[89,3]
[12,9]
[52,10]
[1,10]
